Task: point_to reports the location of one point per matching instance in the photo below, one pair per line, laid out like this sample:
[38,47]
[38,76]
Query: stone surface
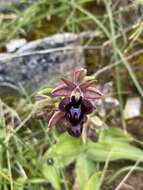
[132,108]
[14,44]
[5,5]
[39,63]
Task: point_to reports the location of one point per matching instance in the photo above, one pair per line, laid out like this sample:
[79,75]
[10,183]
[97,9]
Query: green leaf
[52,173]
[84,169]
[65,151]
[100,151]
[2,134]
[90,77]
[19,183]
[109,135]
[113,140]
[36,180]
[93,182]
[45,91]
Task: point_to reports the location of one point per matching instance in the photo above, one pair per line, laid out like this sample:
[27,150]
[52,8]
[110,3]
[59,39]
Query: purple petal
[87,84]
[62,90]
[92,93]
[79,75]
[87,107]
[70,84]
[63,103]
[55,118]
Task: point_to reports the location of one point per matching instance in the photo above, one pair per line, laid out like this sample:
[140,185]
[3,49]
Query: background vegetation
[31,156]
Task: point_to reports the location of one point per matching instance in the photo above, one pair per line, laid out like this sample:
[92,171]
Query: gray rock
[132,108]
[39,63]
[14,44]
[5,5]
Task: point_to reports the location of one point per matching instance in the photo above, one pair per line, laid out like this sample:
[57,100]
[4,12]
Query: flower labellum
[76,104]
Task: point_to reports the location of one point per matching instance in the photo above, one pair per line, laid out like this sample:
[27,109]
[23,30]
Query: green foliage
[93,182]
[84,169]
[32,158]
[51,173]
[69,149]
[122,171]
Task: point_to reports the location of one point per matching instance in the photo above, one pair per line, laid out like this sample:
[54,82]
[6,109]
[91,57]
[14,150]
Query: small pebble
[132,108]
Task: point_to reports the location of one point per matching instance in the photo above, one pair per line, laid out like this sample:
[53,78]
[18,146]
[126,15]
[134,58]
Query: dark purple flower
[76,103]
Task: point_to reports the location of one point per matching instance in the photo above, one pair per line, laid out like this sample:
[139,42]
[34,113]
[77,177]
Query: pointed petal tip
[93,93]
[79,74]
[62,90]
[69,83]
[55,118]
[84,85]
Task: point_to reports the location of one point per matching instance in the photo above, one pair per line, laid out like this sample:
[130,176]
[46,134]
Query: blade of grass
[9,168]
[107,33]
[129,173]
[121,171]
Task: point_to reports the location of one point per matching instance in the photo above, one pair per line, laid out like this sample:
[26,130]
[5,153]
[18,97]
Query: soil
[134,182]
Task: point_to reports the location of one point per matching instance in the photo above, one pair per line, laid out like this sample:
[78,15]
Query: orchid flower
[78,95]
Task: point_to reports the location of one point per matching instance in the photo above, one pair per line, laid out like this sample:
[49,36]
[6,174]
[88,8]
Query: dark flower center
[74,112]
[75,109]
[75,131]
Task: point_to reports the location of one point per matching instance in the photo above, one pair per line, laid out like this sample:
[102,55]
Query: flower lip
[75,110]
[75,131]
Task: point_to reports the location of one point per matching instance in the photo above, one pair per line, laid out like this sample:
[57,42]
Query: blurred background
[42,40]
